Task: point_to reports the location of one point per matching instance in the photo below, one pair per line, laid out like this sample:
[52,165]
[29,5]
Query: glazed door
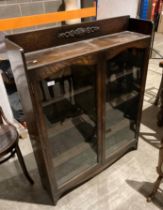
[69,106]
[122,100]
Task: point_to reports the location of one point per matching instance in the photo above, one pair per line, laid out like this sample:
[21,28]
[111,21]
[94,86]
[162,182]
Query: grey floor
[124,185]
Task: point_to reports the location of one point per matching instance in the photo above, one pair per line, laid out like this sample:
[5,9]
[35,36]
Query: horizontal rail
[29,21]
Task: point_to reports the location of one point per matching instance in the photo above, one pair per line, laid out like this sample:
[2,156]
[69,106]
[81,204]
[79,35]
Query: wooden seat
[9,144]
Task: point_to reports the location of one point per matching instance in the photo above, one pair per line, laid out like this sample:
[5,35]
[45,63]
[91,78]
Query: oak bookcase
[81,87]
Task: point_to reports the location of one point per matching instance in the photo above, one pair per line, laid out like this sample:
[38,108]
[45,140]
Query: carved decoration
[79,32]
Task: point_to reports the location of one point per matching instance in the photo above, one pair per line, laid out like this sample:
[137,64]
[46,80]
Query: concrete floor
[123,186]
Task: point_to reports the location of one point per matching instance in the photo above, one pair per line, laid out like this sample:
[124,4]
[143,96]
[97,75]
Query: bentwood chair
[161,84]
[160,174]
[9,138]
[159,98]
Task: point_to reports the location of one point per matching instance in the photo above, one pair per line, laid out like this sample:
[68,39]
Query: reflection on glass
[69,105]
[122,99]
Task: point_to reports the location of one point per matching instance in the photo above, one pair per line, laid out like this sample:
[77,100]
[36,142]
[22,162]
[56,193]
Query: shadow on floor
[145,188]
[156,54]
[150,95]
[17,188]
[149,119]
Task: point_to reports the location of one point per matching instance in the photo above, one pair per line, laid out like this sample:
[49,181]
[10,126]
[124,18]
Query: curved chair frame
[12,146]
[160,174]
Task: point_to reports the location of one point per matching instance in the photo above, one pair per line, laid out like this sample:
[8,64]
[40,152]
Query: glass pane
[69,106]
[123,85]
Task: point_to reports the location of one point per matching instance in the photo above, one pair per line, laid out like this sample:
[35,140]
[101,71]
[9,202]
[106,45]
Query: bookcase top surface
[40,58]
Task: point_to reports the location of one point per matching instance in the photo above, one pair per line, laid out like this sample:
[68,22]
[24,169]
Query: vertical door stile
[101,78]
[52,184]
[143,83]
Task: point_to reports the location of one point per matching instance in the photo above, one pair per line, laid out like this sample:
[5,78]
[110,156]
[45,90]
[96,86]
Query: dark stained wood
[42,39]
[159,98]
[140,26]
[24,87]
[141,44]
[71,51]
[9,144]
[101,66]
[160,174]
[160,87]
[61,67]
[161,64]
[49,54]
[49,181]
[143,83]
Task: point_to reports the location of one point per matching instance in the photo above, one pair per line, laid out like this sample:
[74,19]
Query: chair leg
[159,91]
[22,163]
[155,188]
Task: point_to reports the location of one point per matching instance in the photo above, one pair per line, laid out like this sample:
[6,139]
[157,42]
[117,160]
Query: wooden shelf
[67,95]
[120,129]
[60,127]
[70,156]
[123,98]
[117,76]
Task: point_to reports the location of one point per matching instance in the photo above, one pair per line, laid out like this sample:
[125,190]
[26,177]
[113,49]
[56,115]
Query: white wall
[72,5]
[4,101]
[114,8]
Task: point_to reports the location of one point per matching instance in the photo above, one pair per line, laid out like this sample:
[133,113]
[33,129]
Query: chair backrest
[3,118]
